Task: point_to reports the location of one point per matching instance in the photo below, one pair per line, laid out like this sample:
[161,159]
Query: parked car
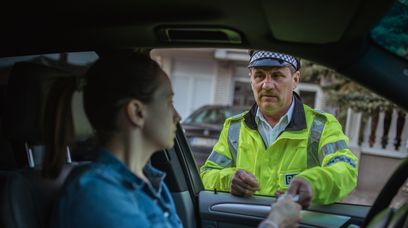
[204,125]
[334,33]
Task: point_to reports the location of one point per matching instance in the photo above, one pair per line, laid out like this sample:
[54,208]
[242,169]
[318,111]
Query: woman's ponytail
[59,127]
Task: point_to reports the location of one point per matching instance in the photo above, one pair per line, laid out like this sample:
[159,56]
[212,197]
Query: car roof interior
[333,33]
[295,26]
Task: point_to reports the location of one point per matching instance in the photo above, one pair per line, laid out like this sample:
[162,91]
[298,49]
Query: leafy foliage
[392,31]
[341,92]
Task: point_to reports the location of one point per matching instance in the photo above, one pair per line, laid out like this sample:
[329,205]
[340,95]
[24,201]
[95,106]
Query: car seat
[26,198]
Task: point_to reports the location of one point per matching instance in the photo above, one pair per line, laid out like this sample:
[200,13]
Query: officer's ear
[250,76]
[296,79]
[250,71]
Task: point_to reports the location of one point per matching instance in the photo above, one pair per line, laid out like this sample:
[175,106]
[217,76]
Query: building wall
[196,78]
[223,85]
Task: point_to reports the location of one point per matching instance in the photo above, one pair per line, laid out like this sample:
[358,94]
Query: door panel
[223,210]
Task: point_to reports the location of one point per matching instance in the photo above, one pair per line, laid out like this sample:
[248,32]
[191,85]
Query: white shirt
[269,133]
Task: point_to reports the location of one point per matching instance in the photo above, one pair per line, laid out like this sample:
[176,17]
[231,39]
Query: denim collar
[156,177]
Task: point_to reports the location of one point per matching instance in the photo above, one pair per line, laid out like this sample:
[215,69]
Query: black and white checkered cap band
[262,55]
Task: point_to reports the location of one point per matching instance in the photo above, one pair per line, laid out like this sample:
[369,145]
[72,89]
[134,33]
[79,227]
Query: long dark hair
[111,79]
[59,128]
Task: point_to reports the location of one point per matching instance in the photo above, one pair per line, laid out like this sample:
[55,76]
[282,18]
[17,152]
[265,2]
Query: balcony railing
[383,132]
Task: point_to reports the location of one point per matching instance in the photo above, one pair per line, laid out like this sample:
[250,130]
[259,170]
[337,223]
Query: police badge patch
[288,178]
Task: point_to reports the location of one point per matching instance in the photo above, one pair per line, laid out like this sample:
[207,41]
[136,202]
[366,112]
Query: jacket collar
[298,121]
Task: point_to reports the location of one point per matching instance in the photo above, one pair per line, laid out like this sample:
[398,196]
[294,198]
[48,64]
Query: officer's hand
[243,183]
[301,187]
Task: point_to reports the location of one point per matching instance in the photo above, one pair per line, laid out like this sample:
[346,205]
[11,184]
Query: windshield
[392,31]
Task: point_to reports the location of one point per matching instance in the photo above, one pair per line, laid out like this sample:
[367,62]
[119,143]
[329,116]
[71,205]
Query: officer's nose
[268,83]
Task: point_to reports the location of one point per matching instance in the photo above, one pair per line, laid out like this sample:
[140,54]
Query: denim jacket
[107,194]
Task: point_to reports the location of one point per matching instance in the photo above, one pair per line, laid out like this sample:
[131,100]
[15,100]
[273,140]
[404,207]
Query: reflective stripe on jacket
[312,146]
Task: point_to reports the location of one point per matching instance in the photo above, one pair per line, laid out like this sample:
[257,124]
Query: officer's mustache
[268,95]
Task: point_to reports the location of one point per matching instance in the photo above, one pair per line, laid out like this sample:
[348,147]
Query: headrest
[28,87]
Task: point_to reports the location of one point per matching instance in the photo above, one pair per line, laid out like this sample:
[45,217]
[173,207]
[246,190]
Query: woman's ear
[135,112]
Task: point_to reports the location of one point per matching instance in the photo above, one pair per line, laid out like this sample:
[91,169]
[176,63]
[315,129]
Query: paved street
[368,198]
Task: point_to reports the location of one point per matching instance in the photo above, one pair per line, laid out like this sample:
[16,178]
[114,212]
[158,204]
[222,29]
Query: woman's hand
[284,213]
[299,186]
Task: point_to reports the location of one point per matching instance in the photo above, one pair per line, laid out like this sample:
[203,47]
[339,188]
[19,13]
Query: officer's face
[273,88]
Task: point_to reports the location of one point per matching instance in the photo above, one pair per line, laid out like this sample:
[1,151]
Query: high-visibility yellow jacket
[312,146]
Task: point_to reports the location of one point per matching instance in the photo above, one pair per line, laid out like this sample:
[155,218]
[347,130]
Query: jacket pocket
[286,176]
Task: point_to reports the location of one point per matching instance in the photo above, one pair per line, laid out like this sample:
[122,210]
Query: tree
[392,31]
[342,93]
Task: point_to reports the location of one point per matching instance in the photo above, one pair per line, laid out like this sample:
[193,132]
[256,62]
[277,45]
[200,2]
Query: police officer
[281,144]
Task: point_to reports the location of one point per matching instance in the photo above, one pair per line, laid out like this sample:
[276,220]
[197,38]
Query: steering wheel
[389,191]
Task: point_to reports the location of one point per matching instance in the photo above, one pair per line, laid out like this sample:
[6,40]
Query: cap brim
[268,63]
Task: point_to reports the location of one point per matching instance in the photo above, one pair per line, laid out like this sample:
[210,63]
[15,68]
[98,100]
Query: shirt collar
[297,123]
[260,118]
